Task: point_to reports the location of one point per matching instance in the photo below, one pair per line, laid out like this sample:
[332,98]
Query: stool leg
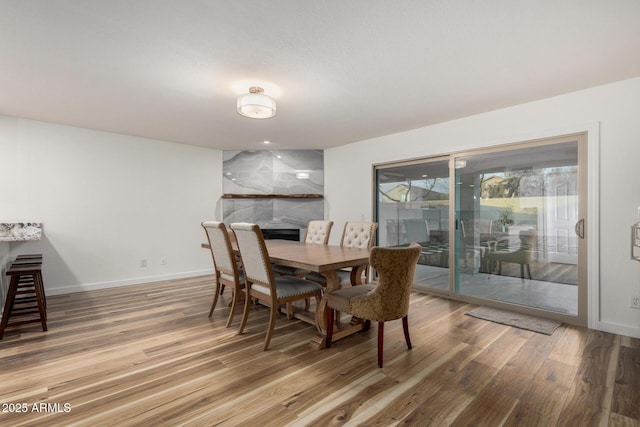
[8,304]
[40,299]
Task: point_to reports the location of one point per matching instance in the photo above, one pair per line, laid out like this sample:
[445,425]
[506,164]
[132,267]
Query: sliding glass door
[413,206]
[507,223]
[520,217]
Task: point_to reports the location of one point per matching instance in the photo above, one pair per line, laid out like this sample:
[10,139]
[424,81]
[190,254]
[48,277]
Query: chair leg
[215,298]
[232,310]
[380,343]
[529,271]
[405,326]
[330,319]
[245,312]
[272,323]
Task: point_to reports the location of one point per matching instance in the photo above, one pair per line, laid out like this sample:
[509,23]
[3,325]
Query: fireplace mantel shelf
[271,196]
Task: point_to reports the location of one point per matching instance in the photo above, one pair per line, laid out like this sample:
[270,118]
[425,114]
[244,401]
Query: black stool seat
[25,296]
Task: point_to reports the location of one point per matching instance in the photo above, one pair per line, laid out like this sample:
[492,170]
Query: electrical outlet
[634,301]
[143,263]
[163,260]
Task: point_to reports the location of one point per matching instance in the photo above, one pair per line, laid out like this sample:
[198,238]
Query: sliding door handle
[580,228]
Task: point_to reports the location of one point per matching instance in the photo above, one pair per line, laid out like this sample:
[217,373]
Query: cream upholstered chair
[260,280]
[388,299]
[317,234]
[356,234]
[225,265]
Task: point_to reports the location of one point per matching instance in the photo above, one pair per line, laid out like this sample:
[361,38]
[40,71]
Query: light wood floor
[148,355]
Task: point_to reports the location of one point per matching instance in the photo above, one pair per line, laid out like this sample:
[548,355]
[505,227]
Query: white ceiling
[345,70]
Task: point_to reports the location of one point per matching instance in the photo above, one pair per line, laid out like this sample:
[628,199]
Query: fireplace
[282,233]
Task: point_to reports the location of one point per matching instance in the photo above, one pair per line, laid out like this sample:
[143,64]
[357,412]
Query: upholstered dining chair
[386,300]
[356,234]
[225,265]
[261,283]
[317,233]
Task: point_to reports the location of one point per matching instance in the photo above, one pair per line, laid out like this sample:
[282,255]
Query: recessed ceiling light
[267,142]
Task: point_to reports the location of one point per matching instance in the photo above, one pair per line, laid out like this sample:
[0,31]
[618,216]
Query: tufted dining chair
[261,283]
[356,234]
[225,265]
[386,300]
[317,234]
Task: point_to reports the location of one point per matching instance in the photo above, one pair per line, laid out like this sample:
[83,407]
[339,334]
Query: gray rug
[522,321]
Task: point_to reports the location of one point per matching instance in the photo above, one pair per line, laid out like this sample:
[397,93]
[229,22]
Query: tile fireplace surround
[265,187]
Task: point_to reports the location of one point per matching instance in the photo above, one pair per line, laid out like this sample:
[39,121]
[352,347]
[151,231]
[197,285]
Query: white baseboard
[620,329]
[127,282]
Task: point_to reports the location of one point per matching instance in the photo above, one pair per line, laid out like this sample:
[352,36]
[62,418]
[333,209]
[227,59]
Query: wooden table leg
[333,283]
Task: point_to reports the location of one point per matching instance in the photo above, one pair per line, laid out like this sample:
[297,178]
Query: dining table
[326,260]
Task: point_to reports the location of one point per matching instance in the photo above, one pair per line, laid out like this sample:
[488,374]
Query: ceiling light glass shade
[256,105]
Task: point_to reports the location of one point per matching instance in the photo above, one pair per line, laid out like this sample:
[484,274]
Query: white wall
[615,107]
[106,202]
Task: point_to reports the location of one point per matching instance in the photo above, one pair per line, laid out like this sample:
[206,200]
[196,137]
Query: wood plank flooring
[148,355]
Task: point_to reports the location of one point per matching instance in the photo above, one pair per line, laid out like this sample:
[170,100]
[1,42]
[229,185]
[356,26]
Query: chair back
[253,251]
[389,300]
[220,244]
[528,240]
[318,232]
[358,234]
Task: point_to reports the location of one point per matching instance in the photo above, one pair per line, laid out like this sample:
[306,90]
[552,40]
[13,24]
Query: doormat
[522,321]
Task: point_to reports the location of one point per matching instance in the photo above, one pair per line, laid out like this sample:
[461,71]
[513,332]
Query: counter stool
[25,296]
[30,260]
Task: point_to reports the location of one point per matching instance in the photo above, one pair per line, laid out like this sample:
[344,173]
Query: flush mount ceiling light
[256,105]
